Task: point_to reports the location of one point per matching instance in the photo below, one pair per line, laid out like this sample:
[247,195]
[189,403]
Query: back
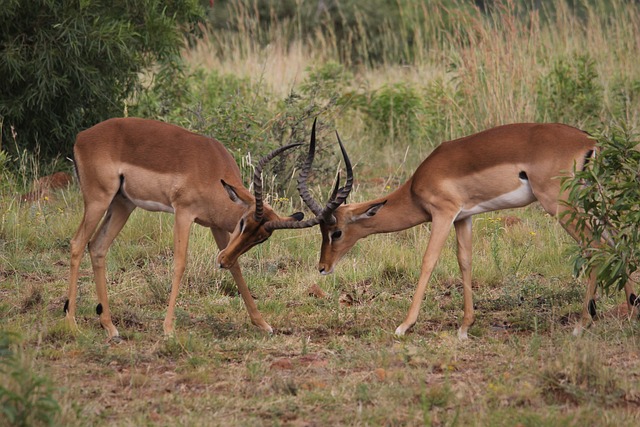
[155,146]
[520,144]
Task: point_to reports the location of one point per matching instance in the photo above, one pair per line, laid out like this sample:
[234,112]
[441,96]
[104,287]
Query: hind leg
[117,215]
[556,208]
[464,238]
[93,213]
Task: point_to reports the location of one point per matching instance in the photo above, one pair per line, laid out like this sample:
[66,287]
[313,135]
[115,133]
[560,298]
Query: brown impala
[127,163]
[505,167]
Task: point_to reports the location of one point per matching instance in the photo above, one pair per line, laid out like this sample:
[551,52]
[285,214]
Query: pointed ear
[371,211]
[233,195]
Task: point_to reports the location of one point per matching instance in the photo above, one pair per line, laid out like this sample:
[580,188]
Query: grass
[333,359]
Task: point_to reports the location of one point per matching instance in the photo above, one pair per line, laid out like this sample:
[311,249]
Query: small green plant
[26,398]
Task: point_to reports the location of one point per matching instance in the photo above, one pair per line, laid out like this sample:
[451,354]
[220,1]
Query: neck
[399,212]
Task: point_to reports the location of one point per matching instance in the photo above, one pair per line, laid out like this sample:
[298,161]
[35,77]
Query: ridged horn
[304,173]
[257,178]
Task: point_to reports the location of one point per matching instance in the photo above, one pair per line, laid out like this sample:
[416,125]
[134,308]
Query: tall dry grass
[494,60]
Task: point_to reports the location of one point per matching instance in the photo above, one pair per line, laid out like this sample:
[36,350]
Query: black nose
[321,269]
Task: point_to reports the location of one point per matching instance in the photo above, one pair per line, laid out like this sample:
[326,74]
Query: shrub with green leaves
[66,64]
[394,109]
[328,80]
[607,196]
[570,93]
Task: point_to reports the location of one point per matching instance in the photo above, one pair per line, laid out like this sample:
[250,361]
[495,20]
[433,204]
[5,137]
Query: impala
[126,163]
[505,167]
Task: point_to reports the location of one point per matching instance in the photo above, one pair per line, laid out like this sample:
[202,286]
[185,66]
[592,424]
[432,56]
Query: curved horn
[257,178]
[325,214]
[339,195]
[304,173]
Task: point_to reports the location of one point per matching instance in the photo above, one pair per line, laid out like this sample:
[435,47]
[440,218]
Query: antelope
[125,163]
[252,230]
[504,167]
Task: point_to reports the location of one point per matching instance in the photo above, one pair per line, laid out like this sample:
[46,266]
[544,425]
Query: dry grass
[333,359]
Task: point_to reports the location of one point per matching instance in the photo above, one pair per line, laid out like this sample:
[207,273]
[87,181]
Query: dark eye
[242,224]
[336,235]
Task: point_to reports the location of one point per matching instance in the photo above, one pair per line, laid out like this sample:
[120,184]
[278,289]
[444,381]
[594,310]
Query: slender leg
[588,310]
[93,213]
[181,229]
[222,238]
[463,235]
[589,305]
[439,232]
[117,215]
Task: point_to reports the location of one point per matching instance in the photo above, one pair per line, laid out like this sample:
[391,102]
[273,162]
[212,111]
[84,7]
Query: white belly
[150,198]
[150,205]
[519,197]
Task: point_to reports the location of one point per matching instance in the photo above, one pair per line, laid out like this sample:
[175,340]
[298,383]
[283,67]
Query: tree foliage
[68,64]
[607,196]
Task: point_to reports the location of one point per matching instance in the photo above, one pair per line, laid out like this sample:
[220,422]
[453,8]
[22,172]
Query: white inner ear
[234,196]
[369,212]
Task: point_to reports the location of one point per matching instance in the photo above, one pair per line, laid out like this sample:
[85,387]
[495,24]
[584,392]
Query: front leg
[439,232]
[222,238]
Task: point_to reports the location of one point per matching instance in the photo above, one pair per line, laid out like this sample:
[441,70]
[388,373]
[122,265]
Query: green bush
[327,81]
[395,110]
[226,107]
[570,92]
[66,64]
[607,196]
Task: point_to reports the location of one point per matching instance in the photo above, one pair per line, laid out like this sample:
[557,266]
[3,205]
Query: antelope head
[260,221]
